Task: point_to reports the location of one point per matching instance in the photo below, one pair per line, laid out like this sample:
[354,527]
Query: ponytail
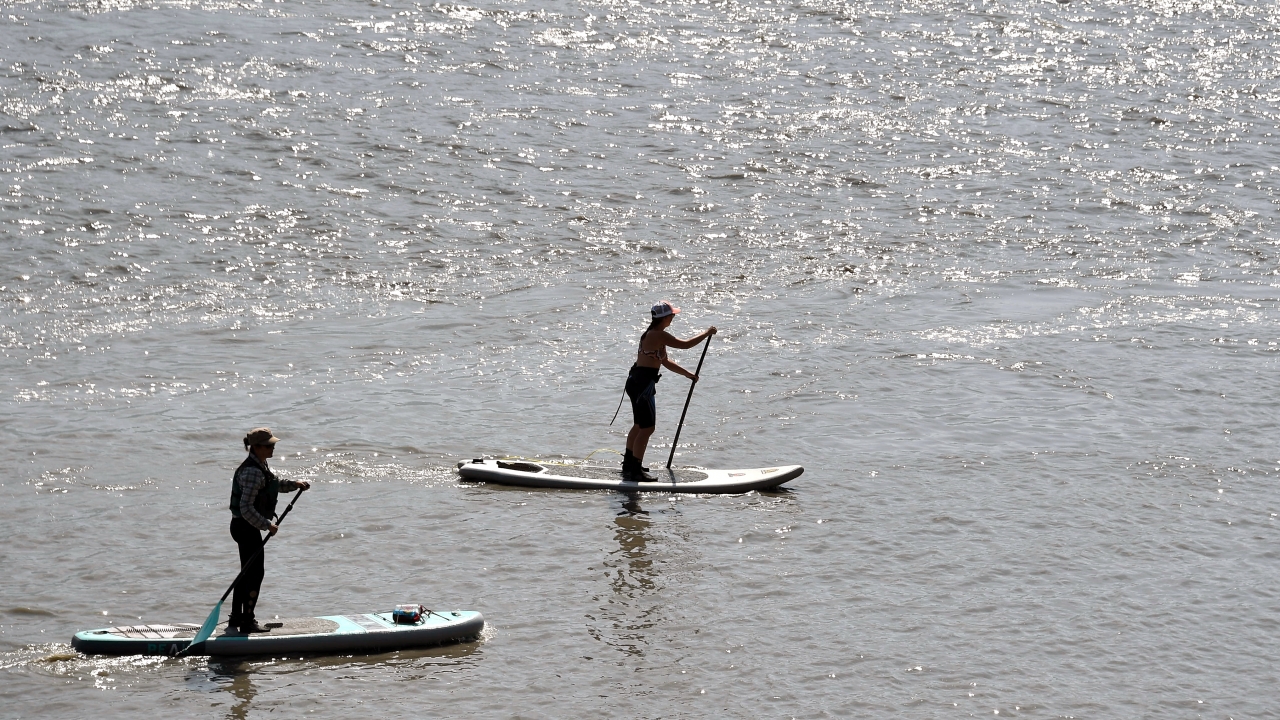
[652,325]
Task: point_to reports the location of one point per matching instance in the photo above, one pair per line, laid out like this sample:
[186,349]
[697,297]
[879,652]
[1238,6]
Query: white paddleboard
[595,477]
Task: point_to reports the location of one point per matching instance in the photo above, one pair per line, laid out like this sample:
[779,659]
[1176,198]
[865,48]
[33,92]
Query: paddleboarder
[643,379]
[254,491]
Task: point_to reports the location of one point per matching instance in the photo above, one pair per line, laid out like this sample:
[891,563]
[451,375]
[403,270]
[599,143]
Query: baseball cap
[664,309]
[260,436]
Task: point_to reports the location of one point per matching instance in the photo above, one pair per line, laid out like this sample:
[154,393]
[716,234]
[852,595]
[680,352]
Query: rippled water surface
[1001,275]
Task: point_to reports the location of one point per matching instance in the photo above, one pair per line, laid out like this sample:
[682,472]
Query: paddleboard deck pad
[371,632]
[530,473]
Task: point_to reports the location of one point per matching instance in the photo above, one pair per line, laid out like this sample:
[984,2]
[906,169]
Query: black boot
[633,459]
[632,472]
[639,473]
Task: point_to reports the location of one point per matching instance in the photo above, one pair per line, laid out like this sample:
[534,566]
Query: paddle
[211,622]
[686,403]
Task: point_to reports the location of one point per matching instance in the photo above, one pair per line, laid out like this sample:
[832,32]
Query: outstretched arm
[675,342]
[291,485]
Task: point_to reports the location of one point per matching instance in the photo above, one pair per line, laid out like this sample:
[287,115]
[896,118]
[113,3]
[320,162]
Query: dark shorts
[642,388]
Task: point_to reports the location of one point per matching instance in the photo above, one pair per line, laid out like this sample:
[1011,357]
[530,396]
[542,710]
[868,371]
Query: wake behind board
[370,632]
[589,477]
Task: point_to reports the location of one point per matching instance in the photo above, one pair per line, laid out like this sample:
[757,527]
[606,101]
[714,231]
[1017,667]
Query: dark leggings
[245,597]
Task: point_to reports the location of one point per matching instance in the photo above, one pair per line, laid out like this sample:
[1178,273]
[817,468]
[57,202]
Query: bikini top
[658,355]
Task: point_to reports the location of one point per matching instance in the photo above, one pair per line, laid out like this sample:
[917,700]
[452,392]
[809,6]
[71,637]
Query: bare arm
[675,342]
[684,345]
[668,364]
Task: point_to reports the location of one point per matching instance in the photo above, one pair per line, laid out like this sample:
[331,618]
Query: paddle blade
[210,624]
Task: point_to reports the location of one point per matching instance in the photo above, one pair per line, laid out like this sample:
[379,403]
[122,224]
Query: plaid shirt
[251,479]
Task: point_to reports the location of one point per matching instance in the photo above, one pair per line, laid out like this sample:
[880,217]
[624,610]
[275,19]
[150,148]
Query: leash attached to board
[624,397]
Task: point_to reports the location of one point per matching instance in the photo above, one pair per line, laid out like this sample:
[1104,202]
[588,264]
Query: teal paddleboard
[330,634]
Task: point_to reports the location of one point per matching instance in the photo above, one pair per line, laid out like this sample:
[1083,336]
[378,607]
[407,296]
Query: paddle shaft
[686,402]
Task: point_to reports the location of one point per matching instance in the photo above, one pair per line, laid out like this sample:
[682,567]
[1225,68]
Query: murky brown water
[1002,276]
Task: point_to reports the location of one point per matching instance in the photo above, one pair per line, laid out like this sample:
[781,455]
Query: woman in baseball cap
[642,383]
[254,490]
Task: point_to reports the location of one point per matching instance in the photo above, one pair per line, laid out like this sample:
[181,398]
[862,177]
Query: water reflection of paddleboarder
[642,384]
[634,579]
[254,491]
[239,683]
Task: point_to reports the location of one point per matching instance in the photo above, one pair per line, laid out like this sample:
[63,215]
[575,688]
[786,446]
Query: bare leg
[638,440]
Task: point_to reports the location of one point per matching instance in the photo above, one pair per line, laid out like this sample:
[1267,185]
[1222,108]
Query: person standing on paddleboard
[254,491]
[642,384]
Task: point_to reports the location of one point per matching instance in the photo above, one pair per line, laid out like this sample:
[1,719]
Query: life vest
[265,503]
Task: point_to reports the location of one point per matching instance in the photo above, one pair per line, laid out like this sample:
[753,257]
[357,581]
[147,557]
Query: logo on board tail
[766,471]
